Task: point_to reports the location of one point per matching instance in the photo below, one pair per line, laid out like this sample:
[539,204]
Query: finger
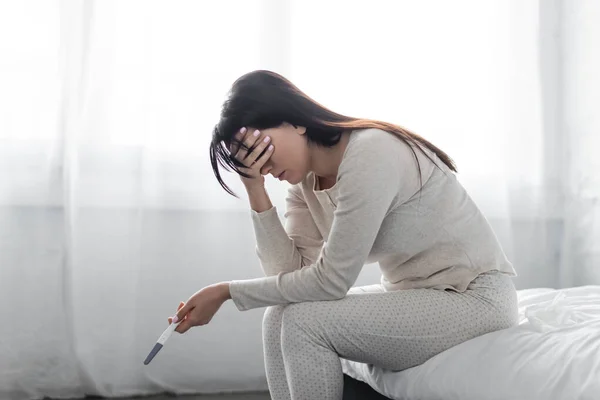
[266,153]
[250,140]
[263,158]
[184,326]
[238,138]
[182,312]
[178,329]
[257,151]
[170,319]
[243,142]
[181,304]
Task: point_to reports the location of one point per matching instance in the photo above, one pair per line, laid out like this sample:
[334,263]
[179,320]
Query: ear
[301,130]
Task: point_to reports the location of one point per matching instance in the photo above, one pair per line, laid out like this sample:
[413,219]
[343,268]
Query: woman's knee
[296,316]
[299,316]
[303,322]
[272,319]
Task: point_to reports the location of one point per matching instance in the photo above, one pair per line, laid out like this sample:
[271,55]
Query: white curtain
[110,214]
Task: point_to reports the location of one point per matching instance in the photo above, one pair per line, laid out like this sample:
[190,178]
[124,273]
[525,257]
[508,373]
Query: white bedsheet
[553,354]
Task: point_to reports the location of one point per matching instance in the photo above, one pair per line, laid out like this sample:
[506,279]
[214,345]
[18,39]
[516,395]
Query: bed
[553,354]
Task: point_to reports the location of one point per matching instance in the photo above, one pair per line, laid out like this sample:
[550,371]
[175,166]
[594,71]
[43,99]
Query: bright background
[110,214]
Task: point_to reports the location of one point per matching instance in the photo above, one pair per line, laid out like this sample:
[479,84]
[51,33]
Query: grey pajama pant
[303,342]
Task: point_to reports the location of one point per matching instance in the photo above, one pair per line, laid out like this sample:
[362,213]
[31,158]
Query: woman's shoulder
[377,140]
[371,136]
[385,153]
[374,143]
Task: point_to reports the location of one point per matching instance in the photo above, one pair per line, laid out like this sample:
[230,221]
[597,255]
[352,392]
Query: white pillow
[552,355]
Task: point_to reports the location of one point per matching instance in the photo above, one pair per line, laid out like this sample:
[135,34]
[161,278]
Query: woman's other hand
[201,307]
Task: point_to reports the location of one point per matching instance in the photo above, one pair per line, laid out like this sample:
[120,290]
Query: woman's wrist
[253,189]
[224,290]
[259,199]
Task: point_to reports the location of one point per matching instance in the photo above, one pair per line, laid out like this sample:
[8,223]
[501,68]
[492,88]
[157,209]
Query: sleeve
[289,249]
[369,180]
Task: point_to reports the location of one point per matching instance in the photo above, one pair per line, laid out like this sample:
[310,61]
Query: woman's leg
[273,357]
[274,367]
[393,330]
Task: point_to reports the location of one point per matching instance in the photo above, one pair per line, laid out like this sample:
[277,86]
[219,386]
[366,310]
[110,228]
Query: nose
[265,170]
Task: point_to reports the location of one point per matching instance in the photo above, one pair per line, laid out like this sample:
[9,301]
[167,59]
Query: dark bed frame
[358,390]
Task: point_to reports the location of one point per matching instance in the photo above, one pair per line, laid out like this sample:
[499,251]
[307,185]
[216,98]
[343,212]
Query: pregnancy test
[161,341]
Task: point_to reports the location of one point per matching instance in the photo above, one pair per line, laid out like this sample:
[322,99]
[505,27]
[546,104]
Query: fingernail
[256,133]
[267,139]
[175,319]
[270,147]
[243,130]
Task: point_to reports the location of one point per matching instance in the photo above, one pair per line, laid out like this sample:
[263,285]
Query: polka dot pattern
[303,342]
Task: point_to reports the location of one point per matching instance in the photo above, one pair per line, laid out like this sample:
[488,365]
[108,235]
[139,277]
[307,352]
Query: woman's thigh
[401,329]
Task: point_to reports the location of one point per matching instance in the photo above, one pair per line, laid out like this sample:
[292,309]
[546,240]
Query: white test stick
[161,341]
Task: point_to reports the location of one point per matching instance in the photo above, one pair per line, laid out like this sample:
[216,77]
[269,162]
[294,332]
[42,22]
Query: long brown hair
[264,99]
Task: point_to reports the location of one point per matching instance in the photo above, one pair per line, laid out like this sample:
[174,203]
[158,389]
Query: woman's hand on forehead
[233,145]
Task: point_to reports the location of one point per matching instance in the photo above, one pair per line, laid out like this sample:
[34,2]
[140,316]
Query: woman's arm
[284,249]
[378,172]
[259,199]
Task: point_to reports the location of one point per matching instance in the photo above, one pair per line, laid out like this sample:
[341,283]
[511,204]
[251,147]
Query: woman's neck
[325,161]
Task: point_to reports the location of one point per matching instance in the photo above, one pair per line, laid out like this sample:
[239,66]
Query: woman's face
[290,153]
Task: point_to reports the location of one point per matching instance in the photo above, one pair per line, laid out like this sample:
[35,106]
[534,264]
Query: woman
[362,191]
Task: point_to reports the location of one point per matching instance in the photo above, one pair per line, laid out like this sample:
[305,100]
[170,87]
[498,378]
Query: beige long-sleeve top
[437,238]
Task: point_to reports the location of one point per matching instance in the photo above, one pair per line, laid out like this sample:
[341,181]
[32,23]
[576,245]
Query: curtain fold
[109,211]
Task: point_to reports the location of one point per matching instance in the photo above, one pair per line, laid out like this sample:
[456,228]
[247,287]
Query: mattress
[554,353]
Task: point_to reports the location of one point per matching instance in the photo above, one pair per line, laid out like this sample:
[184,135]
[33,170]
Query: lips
[280,177]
